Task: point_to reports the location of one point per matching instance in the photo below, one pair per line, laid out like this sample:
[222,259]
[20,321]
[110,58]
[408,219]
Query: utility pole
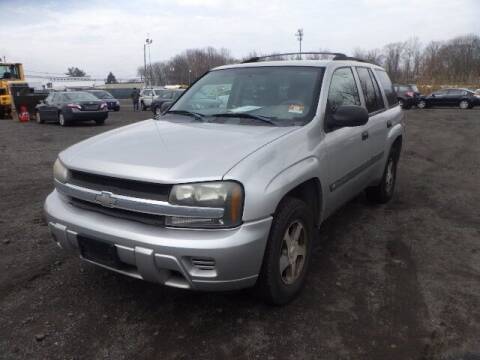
[147,42]
[299,35]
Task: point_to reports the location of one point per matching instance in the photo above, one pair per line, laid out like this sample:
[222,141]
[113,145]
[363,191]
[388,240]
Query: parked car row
[408,96]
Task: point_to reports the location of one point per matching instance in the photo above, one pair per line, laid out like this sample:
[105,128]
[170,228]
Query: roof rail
[335,56]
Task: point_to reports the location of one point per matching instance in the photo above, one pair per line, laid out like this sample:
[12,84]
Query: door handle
[364,135]
[389,124]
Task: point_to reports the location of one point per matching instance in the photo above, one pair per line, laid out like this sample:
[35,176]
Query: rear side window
[387,86]
[373,98]
[343,89]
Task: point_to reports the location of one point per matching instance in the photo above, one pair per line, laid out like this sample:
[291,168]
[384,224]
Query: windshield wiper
[195,115]
[264,119]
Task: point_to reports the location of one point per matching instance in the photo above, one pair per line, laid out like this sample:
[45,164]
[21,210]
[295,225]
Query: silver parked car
[228,193]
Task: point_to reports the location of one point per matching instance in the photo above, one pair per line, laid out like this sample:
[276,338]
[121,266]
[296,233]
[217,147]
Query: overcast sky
[108,35]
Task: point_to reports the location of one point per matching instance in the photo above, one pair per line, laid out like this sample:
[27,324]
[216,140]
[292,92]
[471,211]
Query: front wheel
[422,104]
[38,118]
[142,106]
[61,120]
[100,122]
[157,111]
[288,253]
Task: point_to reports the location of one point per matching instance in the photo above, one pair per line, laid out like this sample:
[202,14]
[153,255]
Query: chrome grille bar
[110,200]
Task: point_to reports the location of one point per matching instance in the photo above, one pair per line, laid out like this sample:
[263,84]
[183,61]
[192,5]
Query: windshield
[80,96]
[102,94]
[286,94]
[9,72]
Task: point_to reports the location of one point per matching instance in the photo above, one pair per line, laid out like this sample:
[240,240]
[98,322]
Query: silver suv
[228,188]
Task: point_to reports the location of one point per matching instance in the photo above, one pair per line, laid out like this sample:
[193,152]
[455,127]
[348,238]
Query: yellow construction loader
[11,75]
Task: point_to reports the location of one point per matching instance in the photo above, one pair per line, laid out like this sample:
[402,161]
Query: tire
[464,105]
[61,120]
[38,118]
[100,122]
[401,103]
[422,104]
[383,192]
[277,287]
[156,111]
[142,106]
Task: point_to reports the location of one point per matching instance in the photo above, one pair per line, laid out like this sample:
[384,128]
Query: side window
[373,101]
[343,90]
[378,93]
[387,86]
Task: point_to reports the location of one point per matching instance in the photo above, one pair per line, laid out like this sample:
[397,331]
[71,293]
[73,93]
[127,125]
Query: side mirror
[165,106]
[348,116]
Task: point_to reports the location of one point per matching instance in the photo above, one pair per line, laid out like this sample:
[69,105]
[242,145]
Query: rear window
[387,86]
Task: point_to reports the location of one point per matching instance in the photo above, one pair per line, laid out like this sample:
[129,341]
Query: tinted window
[378,93]
[373,99]
[456,92]
[343,89]
[387,86]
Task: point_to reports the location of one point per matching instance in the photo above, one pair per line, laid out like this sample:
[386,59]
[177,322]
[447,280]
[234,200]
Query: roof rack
[335,56]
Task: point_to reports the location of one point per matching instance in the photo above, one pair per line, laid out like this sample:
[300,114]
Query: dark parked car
[112,103]
[407,95]
[68,107]
[463,98]
[165,95]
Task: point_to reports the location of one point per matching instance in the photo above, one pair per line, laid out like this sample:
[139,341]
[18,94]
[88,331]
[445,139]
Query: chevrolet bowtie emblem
[106,199]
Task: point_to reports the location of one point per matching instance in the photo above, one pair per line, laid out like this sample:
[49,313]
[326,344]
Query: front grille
[90,107]
[149,219]
[132,188]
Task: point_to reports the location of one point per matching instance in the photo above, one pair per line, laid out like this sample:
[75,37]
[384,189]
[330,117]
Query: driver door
[347,148]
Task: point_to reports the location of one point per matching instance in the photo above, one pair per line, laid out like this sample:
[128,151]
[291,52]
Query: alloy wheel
[390,176]
[293,252]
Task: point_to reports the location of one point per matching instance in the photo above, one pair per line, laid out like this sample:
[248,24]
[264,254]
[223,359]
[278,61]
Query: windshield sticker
[295,108]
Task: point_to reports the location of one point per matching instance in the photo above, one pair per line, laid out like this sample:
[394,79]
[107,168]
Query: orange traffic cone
[24,116]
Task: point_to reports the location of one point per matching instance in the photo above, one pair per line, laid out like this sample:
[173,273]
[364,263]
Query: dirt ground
[399,281]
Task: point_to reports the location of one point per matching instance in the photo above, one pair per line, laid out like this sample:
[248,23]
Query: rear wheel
[61,120]
[383,192]
[142,106]
[157,111]
[464,104]
[288,252]
[422,104]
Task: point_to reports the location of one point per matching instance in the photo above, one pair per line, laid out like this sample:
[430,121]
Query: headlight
[60,172]
[227,195]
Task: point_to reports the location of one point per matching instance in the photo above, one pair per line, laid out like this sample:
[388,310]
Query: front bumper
[173,257]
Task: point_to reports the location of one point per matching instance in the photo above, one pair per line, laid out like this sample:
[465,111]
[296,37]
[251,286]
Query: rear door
[378,121]
[346,148]
[453,97]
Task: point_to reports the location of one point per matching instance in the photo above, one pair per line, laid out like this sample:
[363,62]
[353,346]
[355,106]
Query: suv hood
[169,152]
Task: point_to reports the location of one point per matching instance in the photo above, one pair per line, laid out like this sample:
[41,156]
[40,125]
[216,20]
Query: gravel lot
[400,281]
